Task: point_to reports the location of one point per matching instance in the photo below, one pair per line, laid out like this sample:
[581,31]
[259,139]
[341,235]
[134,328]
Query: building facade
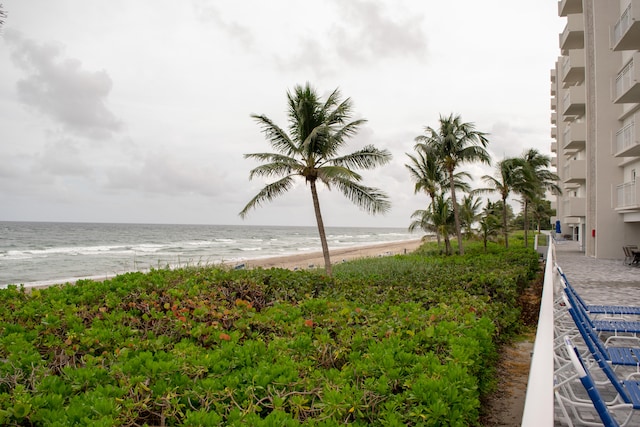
[595,118]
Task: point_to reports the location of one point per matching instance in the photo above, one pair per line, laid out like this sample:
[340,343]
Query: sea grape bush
[405,340]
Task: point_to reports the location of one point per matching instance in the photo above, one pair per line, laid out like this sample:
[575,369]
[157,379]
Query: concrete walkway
[607,282]
[599,281]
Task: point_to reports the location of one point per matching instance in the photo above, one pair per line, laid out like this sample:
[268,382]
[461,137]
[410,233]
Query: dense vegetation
[403,340]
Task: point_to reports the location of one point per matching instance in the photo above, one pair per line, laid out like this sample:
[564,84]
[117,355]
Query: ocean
[42,253]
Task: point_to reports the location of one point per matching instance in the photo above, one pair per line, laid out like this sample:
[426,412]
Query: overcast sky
[139,111]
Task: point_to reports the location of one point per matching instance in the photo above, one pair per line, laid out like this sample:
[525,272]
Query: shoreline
[316,259]
[306,260]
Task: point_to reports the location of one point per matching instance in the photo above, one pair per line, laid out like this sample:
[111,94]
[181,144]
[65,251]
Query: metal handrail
[539,405]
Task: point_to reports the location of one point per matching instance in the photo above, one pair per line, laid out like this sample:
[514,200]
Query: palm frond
[369,199]
[366,158]
[276,136]
[268,193]
[274,169]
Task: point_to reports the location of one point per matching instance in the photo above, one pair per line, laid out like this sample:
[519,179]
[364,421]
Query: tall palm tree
[430,176]
[317,132]
[489,224]
[538,180]
[455,143]
[439,217]
[469,213]
[427,174]
[508,175]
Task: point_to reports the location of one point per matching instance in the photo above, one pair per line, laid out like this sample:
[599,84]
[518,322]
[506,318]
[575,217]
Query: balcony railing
[575,171]
[627,195]
[574,206]
[574,101]
[625,34]
[572,37]
[575,136]
[626,142]
[627,85]
[573,67]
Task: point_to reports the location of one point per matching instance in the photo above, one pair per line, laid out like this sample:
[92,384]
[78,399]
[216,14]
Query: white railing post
[539,404]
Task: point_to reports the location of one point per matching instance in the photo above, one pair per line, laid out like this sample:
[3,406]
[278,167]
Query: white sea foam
[45,253]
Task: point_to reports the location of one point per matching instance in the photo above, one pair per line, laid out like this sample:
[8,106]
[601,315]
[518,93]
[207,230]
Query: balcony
[573,68]
[575,171]
[626,139]
[568,7]
[554,132]
[574,101]
[627,197]
[627,82]
[625,35]
[575,136]
[554,162]
[554,104]
[554,147]
[574,206]
[554,117]
[572,36]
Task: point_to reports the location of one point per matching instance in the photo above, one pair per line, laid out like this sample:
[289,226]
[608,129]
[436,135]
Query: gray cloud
[370,34]
[208,13]
[162,172]
[363,33]
[59,88]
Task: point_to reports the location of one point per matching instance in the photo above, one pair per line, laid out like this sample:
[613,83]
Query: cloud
[166,173]
[370,34]
[206,12]
[61,89]
[361,33]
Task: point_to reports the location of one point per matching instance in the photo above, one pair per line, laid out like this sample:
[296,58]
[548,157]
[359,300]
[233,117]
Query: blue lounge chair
[598,309]
[626,356]
[618,325]
[603,410]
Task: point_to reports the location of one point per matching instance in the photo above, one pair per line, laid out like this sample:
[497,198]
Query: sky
[140,111]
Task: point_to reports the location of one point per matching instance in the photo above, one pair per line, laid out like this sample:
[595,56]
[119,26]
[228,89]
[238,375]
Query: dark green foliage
[404,340]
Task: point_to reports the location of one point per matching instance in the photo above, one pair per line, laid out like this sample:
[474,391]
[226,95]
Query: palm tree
[427,173]
[509,174]
[538,180]
[469,213]
[455,143]
[317,132]
[489,224]
[439,218]
[430,176]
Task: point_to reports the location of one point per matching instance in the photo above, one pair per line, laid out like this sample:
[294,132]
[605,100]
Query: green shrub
[403,340]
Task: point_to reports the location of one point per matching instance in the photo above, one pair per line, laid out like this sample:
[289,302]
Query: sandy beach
[315,259]
[305,260]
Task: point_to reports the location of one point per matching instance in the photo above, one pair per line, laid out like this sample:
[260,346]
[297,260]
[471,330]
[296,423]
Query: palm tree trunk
[456,216]
[323,236]
[526,222]
[504,222]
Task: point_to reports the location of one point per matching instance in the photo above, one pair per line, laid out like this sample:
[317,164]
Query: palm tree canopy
[317,132]
[537,164]
[455,142]
[509,175]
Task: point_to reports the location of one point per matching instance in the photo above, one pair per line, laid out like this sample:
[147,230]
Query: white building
[595,103]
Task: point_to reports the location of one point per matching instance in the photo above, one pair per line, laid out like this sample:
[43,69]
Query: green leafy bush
[404,340]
